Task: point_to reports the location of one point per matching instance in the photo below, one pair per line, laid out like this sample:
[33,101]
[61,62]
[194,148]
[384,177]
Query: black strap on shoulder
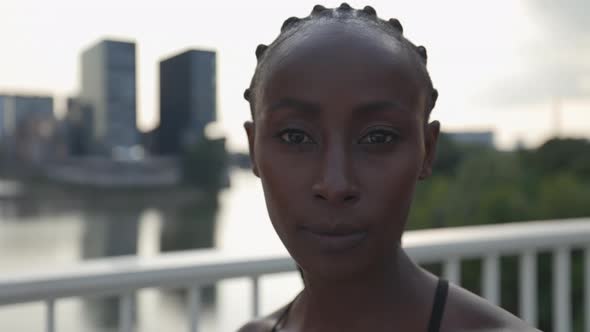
[281,318]
[438,307]
[284,314]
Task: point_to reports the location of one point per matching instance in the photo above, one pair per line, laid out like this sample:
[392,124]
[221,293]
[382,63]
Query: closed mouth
[334,239]
[334,231]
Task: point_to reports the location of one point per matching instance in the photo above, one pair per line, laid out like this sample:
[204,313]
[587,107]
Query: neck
[377,298]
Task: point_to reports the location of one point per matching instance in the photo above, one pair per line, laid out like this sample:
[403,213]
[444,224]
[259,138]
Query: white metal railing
[192,270]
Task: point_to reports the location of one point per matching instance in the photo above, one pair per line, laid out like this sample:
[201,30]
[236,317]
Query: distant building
[108,87]
[483,138]
[27,126]
[187,99]
[16,109]
[2,108]
[79,124]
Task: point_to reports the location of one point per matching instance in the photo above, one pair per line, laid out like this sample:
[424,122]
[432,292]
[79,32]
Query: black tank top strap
[283,317]
[438,307]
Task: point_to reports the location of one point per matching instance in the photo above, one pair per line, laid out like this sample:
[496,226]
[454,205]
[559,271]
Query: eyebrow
[309,107]
[378,106]
[298,105]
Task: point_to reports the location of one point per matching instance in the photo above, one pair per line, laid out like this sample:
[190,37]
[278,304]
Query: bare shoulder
[467,312]
[262,324]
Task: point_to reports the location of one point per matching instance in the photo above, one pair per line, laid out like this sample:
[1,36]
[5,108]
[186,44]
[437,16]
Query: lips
[334,239]
[336,230]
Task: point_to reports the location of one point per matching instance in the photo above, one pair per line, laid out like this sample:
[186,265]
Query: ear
[250,132]
[431,132]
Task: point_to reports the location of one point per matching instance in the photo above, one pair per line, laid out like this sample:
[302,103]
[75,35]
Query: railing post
[561,290]
[126,313]
[452,270]
[194,305]
[587,287]
[491,278]
[50,319]
[528,287]
[255,296]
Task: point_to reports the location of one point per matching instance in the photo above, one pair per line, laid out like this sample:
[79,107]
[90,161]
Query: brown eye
[378,137]
[295,136]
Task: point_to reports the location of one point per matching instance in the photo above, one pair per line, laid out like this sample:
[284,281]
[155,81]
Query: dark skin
[339,140]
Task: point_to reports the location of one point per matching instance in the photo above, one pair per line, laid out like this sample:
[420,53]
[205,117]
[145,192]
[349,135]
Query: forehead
[332,62]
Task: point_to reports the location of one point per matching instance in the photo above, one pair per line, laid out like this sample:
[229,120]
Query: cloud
[562,17]
[556,62]
[541,83]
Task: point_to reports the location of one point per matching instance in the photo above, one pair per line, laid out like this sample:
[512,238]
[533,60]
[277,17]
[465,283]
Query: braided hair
[343,13]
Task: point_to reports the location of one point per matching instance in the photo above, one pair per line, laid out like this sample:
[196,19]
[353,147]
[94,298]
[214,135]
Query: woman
[340,135]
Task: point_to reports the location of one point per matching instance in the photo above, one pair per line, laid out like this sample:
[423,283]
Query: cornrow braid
[318,9]
[289,23]
[344,12]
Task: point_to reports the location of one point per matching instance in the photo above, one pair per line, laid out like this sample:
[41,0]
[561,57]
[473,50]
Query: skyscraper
[187,99]
[15,110]
[27,125]
[78,122]
[108,86]
[3,100]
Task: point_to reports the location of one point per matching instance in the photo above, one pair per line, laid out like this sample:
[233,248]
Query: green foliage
[482,186]
[486,189]
[563,195]
[449,155]
[472,186]
[556,155]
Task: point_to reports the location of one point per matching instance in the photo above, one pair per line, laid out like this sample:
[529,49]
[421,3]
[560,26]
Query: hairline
[261,70]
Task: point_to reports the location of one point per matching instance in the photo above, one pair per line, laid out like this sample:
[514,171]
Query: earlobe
[430,138]
[250,132]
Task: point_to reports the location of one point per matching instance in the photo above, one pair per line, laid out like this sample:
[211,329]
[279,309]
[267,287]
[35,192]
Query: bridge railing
[195,269]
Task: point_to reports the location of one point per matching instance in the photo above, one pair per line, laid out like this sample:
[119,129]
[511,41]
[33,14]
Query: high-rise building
[27,126]
[108,87]
[187,99]
[2,111]
[16,110]
[78,127]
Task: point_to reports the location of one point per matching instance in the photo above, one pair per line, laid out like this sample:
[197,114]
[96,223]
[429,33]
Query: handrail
[185,269]
[109,276]
[435,245]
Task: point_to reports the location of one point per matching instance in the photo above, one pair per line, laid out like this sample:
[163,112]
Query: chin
[335,263]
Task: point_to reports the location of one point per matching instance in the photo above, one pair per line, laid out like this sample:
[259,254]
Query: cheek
[284,181]
[390,182]
[392,178]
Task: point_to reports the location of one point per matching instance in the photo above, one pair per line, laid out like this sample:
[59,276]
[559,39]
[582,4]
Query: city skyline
[496,65]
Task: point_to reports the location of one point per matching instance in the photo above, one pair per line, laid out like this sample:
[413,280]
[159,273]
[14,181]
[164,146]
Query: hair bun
[288,22]
[318,9]
[370,10]
[344,6]
[422,51]
[394,22]
[260,50]
[434,96]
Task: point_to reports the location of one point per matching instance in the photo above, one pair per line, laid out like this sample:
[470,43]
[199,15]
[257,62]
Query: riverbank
[40,189]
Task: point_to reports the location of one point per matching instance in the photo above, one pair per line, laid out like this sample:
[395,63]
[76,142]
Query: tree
[559,155]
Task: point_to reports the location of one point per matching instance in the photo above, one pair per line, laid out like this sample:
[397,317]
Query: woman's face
[339,141]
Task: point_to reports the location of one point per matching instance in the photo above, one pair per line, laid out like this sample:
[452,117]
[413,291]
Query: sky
[513,67]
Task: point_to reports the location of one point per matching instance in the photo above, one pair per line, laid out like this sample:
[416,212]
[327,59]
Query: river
[37,236]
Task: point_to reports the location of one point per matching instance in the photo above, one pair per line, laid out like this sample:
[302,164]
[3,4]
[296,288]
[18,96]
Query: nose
[336,181]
